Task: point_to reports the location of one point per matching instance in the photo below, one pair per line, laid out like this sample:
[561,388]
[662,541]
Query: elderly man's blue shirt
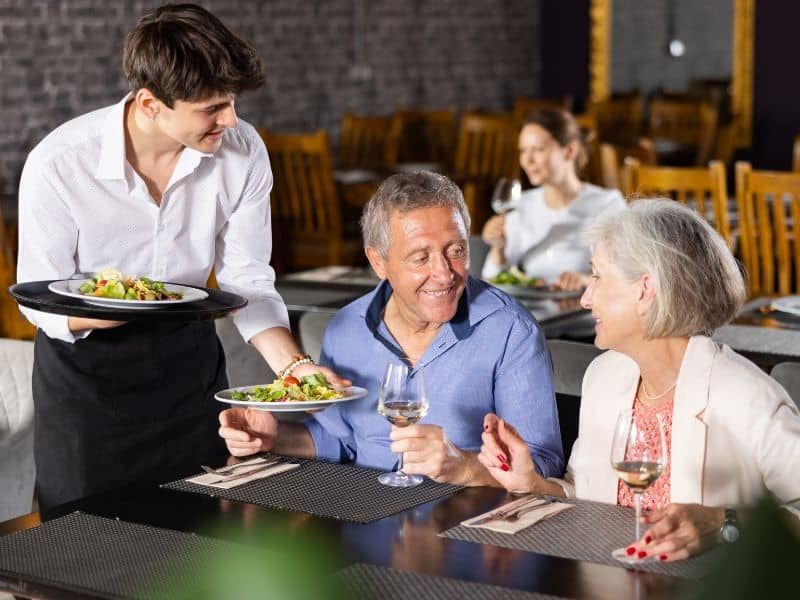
[491,357]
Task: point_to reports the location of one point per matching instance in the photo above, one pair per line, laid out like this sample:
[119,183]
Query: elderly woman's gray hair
[699,285]
[405,192]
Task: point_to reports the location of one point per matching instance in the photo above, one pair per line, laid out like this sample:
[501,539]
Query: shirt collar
[473,306]
[112,152]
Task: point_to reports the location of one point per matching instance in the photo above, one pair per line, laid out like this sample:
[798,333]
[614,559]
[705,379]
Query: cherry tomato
[102,282]
[289,380]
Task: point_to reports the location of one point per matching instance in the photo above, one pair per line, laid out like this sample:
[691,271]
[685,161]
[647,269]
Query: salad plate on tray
[71,289]
[244,397]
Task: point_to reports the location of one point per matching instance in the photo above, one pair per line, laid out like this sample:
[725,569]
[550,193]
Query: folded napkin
[207,478]
[530,515]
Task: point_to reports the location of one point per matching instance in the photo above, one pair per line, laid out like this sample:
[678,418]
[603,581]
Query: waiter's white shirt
[82,208]
[545,242]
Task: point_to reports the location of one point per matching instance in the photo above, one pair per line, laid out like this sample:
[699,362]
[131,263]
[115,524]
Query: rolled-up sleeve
[525,398]
[244,249]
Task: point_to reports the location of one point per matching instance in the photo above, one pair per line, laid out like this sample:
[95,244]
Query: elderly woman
[662,281]
[543,234]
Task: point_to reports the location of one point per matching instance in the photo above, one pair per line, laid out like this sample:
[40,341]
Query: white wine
[637,474]
[402,413]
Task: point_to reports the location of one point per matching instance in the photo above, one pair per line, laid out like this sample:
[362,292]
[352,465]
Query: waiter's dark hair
[183,52]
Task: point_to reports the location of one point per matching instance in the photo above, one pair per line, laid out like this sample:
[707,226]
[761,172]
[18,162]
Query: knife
[243,474]
[500,513]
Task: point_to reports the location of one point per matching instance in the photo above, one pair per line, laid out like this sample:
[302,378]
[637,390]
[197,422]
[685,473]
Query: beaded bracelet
[305,359]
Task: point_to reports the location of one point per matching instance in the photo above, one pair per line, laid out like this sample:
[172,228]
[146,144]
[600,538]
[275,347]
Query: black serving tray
[36,295]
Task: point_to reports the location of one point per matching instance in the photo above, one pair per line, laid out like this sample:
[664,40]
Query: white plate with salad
[290,394]
[111,288]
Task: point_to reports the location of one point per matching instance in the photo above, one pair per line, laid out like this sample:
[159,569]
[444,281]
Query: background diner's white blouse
[545,242]
[82,208]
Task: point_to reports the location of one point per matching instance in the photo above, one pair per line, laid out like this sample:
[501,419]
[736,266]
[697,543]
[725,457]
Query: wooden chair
[12,324]
[368,142]
[619,120]
[769,216]
[704,190]
[796,158]
[427,136]
[612,157]
[691,124]
[307,219]
[524,107]
[486,151]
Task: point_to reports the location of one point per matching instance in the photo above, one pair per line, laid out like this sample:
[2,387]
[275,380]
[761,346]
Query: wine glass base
[400,479]
[621,554]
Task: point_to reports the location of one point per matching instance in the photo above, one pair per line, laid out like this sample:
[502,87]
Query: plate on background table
[351,393]
[70,289]
[537,291]
[788,304]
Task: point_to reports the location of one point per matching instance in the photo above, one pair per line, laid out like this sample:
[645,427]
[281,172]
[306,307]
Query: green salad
[291,389]
[514,276]
[111,283]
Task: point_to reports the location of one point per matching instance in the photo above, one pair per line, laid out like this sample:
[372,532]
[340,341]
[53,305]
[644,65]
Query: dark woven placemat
[342,492]
[588,531]
[383,583]
[103,557]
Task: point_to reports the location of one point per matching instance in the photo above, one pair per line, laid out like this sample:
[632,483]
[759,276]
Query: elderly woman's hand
[506,456]
[494,232]
[678,531]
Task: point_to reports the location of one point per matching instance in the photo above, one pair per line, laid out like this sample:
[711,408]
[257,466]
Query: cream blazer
[735,431]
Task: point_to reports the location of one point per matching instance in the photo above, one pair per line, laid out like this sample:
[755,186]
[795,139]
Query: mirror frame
[600,17]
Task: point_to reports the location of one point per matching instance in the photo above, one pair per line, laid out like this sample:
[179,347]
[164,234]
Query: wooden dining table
[409,541]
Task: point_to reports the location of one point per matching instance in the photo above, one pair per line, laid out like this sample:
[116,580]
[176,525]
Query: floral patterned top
[657,495]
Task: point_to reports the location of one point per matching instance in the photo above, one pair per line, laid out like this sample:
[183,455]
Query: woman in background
[542,235]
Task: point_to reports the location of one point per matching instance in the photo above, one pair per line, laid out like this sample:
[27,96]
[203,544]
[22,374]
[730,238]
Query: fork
[230,469]
[234,476]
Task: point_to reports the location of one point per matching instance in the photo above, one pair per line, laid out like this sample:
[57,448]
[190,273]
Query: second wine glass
[402,400]
[506,195]
[638,457]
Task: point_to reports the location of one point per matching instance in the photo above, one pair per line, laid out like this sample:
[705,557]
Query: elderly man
[479,350]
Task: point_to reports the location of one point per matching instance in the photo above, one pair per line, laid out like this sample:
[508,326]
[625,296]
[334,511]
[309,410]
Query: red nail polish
[630,551]
[504,467]
[662,557]
[642,554]
[648,539]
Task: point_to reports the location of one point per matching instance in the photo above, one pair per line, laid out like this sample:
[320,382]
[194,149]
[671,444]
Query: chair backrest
[304,202]
[618,120]
[703,189]
[311,328]
[17,470]
[612,157]
[524,107]
[487,147]
[427,136]
[768,203]
[478,249]
[369,142]
[687,121]
[570,361]
[12,323]
[788,375]
[244,364]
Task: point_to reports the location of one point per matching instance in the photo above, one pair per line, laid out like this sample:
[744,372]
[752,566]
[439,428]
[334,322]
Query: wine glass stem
[637,501]
[400,465]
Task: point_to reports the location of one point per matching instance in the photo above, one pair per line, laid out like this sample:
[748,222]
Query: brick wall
[61,58]
[639,40]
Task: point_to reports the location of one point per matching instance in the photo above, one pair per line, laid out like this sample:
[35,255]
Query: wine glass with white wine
[505,197]
[638,457]
[403,401]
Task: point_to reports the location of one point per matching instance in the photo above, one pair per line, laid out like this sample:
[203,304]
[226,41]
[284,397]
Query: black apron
[133,404]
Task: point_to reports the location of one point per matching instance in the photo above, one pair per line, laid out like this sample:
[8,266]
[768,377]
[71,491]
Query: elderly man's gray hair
[699,284]
[405,192]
